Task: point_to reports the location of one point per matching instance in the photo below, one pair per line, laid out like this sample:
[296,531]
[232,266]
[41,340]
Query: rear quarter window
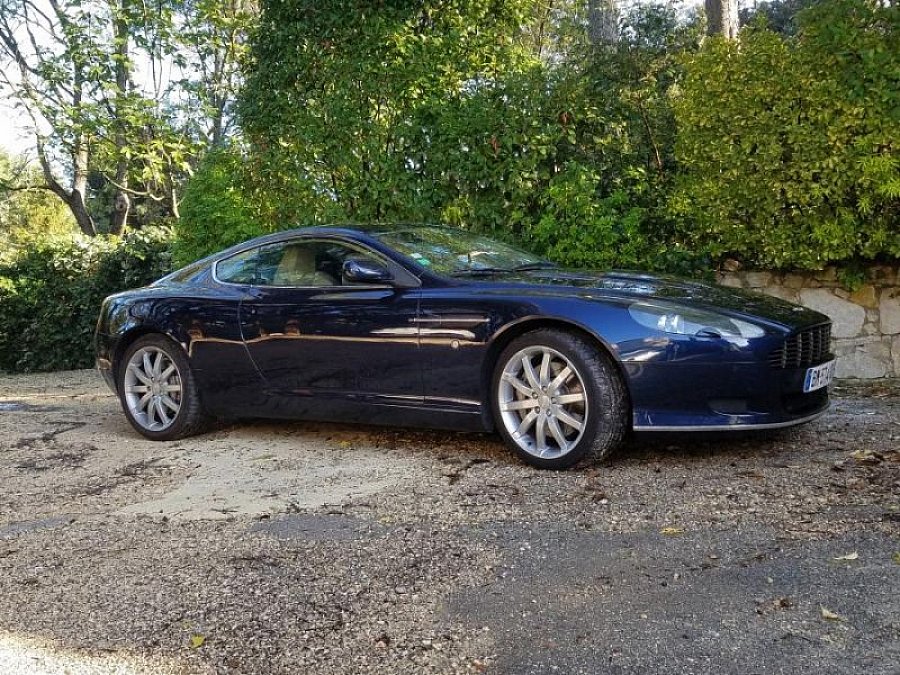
[239,268]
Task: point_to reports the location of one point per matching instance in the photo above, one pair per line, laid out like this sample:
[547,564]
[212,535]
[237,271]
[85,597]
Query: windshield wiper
[479,271]
[531,267]
[492,271]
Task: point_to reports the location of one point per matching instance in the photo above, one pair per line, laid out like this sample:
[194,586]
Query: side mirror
[365,271]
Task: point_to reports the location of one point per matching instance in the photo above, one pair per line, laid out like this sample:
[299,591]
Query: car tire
[579,407]
[172,408]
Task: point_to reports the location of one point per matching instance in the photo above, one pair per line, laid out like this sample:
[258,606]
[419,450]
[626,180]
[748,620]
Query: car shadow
[654,445]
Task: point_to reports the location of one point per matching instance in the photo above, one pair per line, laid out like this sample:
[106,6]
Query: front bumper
[734,425]
[103,360]
[104,367]
[719,397]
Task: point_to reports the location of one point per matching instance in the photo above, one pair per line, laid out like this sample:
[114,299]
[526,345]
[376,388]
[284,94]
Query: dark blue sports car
[439,327]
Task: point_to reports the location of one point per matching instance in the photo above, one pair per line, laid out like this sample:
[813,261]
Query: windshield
[451,251]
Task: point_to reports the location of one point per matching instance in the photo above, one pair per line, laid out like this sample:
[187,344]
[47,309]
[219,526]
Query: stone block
[783,293]
[865,296]
[895,354]
[845,346]
[866,361]
[758,279]
[884,275]
[732,281]
[794,281]
[847,317]
[889,308]
[828,274]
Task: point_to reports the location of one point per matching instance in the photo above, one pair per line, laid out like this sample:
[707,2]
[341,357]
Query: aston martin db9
[440,327]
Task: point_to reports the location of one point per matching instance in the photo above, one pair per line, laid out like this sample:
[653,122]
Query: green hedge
[789,150]
[216,210]
[666,153]
[50,295]
[374,115]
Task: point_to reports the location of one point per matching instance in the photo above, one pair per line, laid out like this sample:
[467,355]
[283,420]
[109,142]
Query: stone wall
[866,331]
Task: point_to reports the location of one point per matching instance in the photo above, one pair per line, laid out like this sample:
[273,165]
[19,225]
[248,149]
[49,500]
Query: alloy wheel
[153,388]
[543,402]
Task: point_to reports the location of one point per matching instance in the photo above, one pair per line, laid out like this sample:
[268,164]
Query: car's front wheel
[558,398]
[157,390]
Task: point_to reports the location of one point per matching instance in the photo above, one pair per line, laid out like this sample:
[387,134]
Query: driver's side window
[306,263]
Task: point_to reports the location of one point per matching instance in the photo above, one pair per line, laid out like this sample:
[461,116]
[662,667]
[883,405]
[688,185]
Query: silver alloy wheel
[543,402]
[152,388]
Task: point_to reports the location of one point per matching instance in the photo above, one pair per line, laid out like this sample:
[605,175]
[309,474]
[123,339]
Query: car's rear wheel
[157,390]
[558,398]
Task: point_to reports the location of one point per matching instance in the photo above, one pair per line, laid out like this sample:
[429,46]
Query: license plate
[818,377]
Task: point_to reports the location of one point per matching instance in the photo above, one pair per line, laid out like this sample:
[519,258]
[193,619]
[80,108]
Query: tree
[722,18]
[780,15]
[213,37]
[603,21]
[504,116]
[121,95]
[27,213]
[788,147]
[341,97]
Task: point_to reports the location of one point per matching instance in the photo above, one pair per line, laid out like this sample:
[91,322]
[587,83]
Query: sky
[13,136]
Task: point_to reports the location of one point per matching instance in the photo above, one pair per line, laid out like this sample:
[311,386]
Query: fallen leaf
[828,615]
[896,558]
[867,457]
[197,641]
[344,445]
[672,531]
[782,603]
[849,556]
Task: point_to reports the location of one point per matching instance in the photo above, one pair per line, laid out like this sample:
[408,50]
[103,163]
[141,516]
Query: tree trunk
[218,99]
[79,210]
[118,219]
[603,22]
[76,198]
[722,18]
[173,197]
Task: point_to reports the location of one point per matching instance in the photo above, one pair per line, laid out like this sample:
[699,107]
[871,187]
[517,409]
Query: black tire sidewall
[595,371]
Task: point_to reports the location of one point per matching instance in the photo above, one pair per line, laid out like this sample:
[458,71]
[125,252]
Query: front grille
[801,349]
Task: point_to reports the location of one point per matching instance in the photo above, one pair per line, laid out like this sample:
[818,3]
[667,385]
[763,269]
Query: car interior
[310,264]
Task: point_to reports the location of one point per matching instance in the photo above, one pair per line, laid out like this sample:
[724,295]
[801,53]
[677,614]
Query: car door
[320,339]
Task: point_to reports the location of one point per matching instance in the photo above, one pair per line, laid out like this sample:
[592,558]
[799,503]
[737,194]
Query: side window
[239,268]
[306,264]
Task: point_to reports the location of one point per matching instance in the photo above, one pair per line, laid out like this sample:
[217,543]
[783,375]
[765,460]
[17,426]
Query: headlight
[688,321]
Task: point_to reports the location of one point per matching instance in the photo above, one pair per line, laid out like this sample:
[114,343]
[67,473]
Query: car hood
[641,286]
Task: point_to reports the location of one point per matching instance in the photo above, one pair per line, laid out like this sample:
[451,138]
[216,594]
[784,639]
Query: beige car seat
[298,268]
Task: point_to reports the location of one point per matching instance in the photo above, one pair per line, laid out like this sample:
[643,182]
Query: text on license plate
[818,377]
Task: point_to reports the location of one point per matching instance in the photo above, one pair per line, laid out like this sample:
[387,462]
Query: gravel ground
[310,548]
